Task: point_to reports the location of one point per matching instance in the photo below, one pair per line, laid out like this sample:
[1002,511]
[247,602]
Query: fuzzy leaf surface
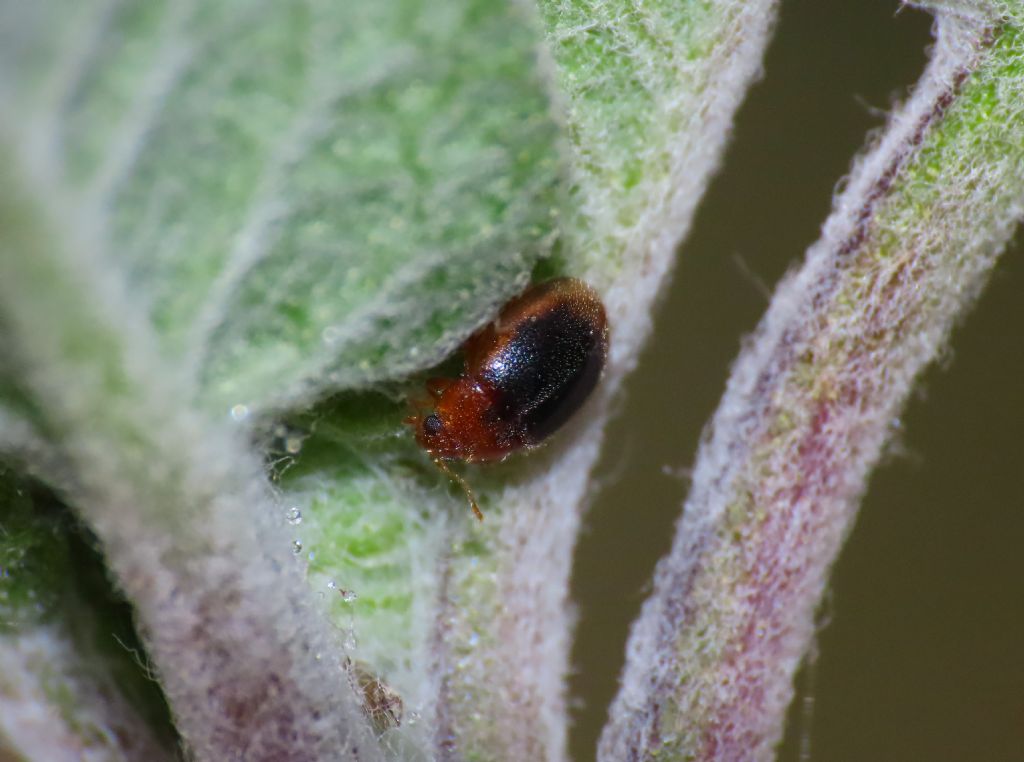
[290,201]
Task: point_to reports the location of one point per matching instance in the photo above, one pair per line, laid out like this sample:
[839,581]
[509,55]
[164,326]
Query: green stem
[810,403]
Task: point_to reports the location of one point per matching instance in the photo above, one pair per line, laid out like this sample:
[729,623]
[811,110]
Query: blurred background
[922,657]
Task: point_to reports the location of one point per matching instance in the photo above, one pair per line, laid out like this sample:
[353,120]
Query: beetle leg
[462,483]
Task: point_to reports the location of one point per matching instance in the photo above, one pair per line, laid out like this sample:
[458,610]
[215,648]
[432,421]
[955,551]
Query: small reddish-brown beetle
[525,374]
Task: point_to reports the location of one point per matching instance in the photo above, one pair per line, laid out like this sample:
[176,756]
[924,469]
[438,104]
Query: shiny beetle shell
[525,375]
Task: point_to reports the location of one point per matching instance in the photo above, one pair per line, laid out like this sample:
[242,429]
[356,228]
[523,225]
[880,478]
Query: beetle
[525,374]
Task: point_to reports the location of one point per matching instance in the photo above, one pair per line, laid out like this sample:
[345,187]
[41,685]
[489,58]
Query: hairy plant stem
[810,403]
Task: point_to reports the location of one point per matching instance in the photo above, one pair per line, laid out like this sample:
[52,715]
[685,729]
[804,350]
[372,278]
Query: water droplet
[413,718]
[294,516]
[296,546]
[331,585]
[239,413]
[347,595]
[312,556]
[330,334]
[293,444]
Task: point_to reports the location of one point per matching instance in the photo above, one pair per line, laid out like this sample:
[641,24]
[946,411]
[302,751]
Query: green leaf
[265,204]
[299,199]
[311,196]
[179,505]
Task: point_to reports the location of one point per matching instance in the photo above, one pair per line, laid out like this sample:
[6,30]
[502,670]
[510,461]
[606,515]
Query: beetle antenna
[462,483]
